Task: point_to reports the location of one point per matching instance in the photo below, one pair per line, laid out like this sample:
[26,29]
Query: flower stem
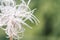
[11,38]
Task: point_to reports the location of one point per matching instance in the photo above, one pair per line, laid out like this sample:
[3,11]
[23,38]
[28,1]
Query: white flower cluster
[14,16]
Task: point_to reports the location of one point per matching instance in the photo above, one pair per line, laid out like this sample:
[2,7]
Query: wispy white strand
[28,2]
[14,16]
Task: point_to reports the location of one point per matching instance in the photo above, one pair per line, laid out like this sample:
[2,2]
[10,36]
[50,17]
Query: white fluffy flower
[14,16]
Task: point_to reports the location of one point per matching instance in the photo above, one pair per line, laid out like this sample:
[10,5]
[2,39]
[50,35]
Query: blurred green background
[48,12]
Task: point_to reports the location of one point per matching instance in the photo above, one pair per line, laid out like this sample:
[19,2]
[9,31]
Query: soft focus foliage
[48,12]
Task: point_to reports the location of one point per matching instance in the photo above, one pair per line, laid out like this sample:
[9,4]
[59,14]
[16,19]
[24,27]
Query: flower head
[14,16]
